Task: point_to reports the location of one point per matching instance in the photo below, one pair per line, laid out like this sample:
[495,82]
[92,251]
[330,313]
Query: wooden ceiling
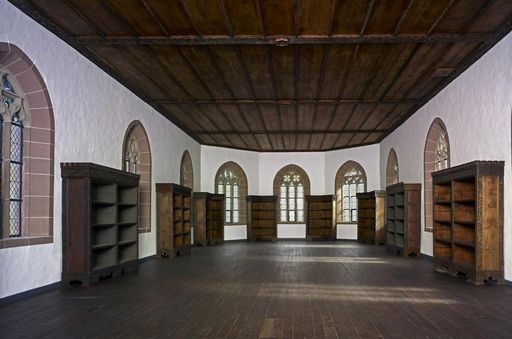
[351,71]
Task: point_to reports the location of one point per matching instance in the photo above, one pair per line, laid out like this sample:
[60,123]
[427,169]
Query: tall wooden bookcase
[371,217]
[468,221]
[174,233]
[99,225]
[208,218]
[261,217]
[321,217]
[403,219]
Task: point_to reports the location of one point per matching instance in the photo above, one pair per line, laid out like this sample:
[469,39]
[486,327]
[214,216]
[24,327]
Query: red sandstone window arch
[137,159]
[34,119]
[350,180]
[436,157]
[291,186]
[231,181]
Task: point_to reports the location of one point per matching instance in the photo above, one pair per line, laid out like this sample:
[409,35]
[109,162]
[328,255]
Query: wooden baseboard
[30,293]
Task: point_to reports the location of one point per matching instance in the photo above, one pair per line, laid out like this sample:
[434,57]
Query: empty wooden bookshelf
[403,219]
[99,209]
[371,222]
[261,217]
[208,218]
[468,221]
[321,217]
[174,231]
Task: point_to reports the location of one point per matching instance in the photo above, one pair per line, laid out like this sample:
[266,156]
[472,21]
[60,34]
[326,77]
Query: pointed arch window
[350,180]
[132,155]
[291,198]
[442,156]
[392,172]
[228,184]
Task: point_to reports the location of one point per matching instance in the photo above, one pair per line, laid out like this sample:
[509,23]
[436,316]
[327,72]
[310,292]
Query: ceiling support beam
[295,131]
[286,101]
[291,39]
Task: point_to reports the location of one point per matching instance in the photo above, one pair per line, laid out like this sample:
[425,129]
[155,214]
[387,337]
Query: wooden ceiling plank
[297,6]
[259,8]
[172,16]
[270,70]
[386,16]
[287,102]
[458,16]
[329,140]
[177,67]
[283,70]
[402,18]
[349,17]
[305,116]
[243,16]
[135,16]
[333,16]
[340,116]
[232,111]
[255,60]
[225,18]
[496,14]
[185,9]
[314,17]
[114,13]
[207,16]
[279,16]
[359,116]
[369,12]
[446,9]
[81,16]
[319,85]
[349,116]
[154,16]
[203,65]
[296,131]
[310,64]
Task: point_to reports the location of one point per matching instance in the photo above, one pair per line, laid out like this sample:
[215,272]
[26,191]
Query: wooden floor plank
[284,289]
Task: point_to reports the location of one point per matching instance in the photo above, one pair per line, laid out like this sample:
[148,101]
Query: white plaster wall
[366,156]
[91,112]
[476,109]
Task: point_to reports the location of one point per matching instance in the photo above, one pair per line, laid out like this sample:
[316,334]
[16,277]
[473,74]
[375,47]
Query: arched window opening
[231,181]
[392,175]
[186,171]
[350,180]
[291,186]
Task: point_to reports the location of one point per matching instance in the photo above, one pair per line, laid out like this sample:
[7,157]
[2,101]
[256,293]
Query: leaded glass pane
[220,188]
[292,215]
[354,215]
[353,202]
[236,216]
[283,215]
[235,190]
[346,215]
[7,85]
[283,204]
[15,218]
[360,188]
[283,191]
[300,204]
[300,215]
[346,201]
[345,190]
[228,204]
[291,192]
[16,140]
[228,190]
[291,204]
[352,189]
[235,203]
[228,216]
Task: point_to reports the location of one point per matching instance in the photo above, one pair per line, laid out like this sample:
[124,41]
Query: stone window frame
[38,151]
[338,186]
[429,164]
[277,188]
[243,189]
[136,130]
[391,166]
[186,171]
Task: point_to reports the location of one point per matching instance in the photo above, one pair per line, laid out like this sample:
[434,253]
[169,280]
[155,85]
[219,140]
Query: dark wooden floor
[283,289]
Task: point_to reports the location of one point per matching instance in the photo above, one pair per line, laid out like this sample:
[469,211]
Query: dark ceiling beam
[295,131]
[292,39]
[286,101]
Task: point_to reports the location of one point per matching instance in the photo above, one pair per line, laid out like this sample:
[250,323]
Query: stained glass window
[353,183]
[442,152]
[15,176]
[132,156]
[229,185]
[291,198]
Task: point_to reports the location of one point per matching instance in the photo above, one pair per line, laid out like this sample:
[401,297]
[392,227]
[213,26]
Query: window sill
[347,223]
[25,241]
[291,222]
[144,230]
[240,224]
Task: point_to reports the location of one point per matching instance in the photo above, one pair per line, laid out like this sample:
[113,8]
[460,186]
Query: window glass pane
[352,189]
[354,215]
[291,204]
[346,215]
[228,204]
[283,204]
[291,191]
[236,216]
[300,204]
[300,191]
[292,215]
[235,190]
[228,216]
[360,188]
[283,215]
[353,202]
[346,202]
[345,190]
[228,190]
[300,215]
[235,203]
[220,189]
